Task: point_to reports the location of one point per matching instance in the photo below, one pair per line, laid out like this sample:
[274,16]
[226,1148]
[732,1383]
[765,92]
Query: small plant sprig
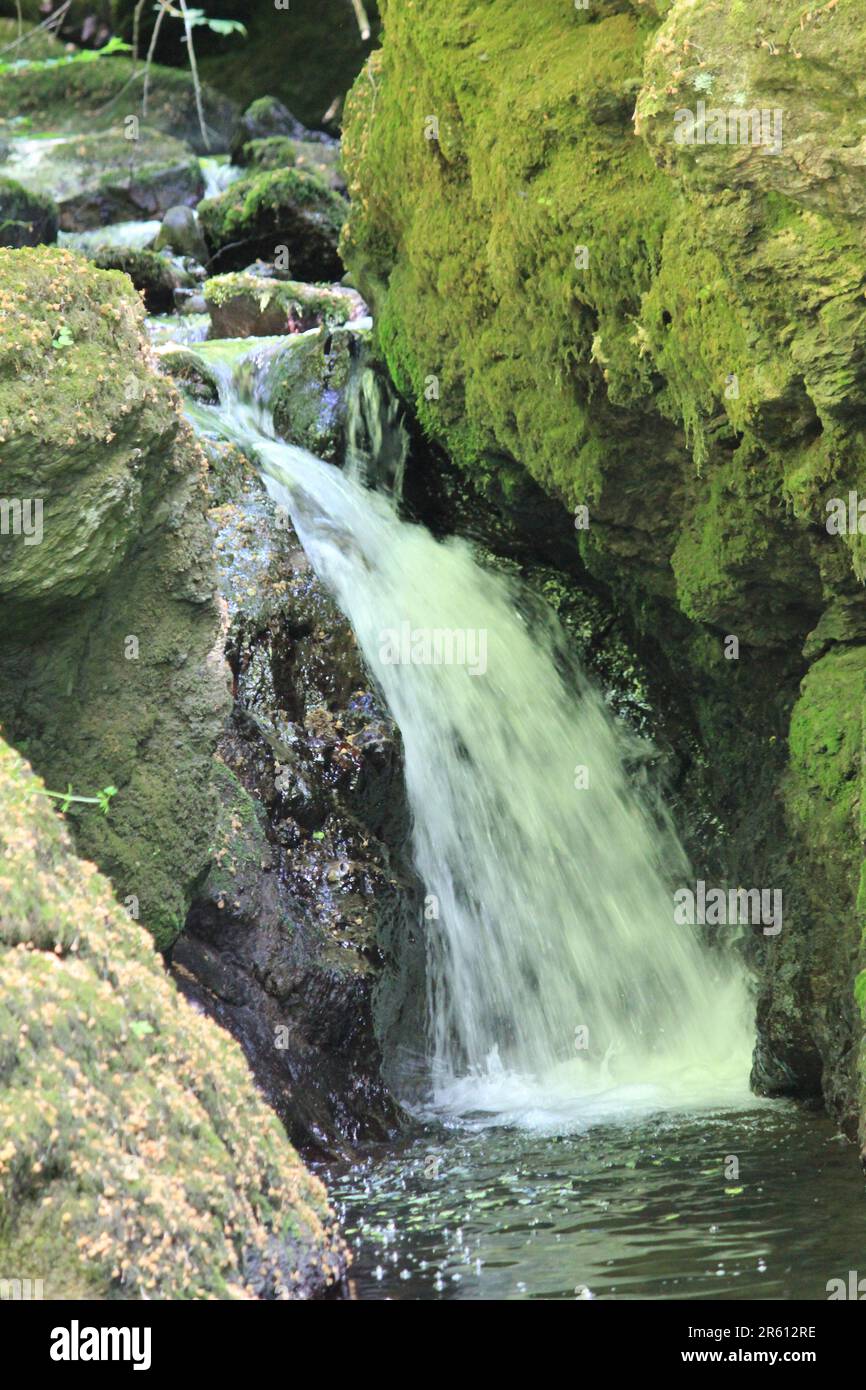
[101,799]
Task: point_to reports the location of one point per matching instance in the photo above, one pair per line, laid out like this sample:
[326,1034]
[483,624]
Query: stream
[585,1126]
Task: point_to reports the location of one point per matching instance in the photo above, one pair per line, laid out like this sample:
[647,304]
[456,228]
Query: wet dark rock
[309,385]
[290,941]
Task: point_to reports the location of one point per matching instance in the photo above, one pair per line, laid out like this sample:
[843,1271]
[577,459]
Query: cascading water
[560,988]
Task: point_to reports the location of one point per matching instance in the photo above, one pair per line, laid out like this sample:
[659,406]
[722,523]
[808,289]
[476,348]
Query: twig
[150,52]
[361,16]
[46,26]
[136,30]
[194,70]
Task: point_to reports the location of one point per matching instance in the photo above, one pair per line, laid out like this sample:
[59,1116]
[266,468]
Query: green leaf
[227,26]
[141,1028]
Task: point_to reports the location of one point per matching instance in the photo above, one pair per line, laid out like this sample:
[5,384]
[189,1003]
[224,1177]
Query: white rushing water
[560,989]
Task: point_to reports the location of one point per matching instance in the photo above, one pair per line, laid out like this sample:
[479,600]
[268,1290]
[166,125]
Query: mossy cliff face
[137,1159]
[111,669]
[672,335]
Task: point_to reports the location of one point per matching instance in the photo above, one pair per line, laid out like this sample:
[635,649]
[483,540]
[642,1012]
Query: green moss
[244,306]
[72,96]
[124,552]
[137,1159]
[263,200]
[284,207]
[272,152]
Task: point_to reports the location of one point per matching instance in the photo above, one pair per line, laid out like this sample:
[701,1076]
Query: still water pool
[648,1209]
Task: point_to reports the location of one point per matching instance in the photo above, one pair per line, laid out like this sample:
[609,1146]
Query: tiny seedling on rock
[101,799]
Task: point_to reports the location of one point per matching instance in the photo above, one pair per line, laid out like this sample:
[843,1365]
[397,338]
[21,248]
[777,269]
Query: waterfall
[558,982]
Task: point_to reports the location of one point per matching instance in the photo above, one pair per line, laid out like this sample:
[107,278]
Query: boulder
[111,670]
[154,276]
[246,305]
[139,1159]
[99,179]
[180,232]
[259,214]
[308,390]
[267,118]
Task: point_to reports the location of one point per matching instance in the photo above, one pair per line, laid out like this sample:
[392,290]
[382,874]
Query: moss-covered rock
[69,95]
[153,275]
[98,179]
[247,306]
[137,1158]
[287,207]
[673,336]
[26,219]
[189,372]
[266,118]
[111,669]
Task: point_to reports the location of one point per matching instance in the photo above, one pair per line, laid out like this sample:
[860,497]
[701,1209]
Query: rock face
[138,1160]
[111,670]
[570,278]
[291,942]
